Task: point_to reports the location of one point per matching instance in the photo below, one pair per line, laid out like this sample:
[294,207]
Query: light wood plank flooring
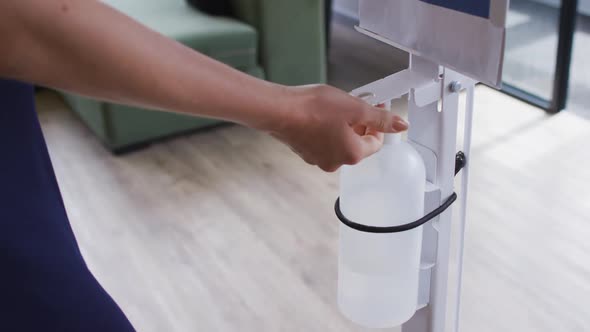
[227,230]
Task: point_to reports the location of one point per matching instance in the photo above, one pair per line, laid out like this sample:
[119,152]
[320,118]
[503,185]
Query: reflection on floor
[227,230]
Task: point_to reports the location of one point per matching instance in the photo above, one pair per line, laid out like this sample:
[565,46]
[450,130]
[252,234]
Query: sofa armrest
[292,38]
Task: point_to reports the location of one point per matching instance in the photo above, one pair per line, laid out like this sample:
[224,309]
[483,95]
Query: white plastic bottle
[378,273]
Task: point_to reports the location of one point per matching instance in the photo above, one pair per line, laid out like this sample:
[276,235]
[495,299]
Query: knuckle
[332,169]
[381,124]
[328,168]
[353,158]
[365,108]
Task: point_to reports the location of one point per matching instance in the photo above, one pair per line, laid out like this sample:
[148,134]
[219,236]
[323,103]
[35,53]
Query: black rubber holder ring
[394,229]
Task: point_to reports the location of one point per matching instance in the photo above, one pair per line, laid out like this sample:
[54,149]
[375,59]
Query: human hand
[329,128]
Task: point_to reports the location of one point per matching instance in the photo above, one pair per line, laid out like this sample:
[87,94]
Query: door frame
[567,28]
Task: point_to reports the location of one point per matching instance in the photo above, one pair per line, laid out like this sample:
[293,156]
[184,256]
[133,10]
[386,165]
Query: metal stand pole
[434,134]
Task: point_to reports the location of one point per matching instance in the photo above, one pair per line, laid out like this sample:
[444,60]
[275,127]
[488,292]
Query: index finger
[382,121]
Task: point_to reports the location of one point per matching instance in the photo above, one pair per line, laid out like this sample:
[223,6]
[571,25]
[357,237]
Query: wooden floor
[227,230]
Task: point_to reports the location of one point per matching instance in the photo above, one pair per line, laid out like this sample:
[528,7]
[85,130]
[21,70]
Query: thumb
[370,144]
[382,121]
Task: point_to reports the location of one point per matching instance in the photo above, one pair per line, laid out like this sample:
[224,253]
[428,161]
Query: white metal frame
[433,107]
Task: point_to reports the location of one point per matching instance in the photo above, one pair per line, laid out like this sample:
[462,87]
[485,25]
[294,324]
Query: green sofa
[280,40]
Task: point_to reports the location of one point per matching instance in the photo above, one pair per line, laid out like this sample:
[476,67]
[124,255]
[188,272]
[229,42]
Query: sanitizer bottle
[378,273]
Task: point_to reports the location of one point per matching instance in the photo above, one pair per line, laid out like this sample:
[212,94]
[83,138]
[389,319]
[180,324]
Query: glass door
[579,92]
[539,50]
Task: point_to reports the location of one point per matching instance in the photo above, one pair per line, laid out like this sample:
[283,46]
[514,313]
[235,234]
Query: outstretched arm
[86,47]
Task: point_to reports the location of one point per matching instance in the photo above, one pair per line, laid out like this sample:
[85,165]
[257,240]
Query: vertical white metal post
[434,134]
[464,191]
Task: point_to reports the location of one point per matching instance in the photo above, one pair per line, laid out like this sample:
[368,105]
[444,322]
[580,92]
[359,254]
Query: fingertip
[380,120]
[400,125]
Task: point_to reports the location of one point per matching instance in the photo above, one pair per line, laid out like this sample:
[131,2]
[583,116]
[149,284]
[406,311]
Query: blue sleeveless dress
[45,284]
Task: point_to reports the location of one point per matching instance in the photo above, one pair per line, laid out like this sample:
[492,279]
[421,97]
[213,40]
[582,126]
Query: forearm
[88,48]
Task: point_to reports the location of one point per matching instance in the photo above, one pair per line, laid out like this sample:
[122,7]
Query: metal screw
[455,86]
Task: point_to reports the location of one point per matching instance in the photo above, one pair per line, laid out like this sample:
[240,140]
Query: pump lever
[393,86]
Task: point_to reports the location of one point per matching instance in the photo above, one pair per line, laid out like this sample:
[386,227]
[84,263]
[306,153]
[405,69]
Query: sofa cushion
[222,38]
